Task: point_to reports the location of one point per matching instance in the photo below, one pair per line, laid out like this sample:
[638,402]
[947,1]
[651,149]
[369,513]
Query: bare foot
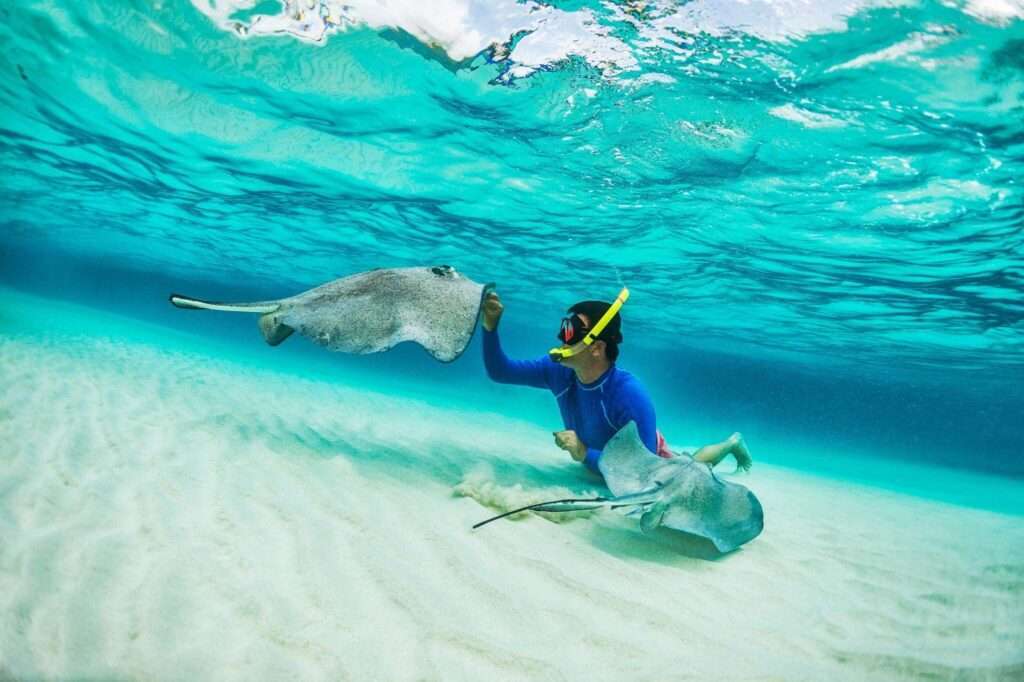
[739,450]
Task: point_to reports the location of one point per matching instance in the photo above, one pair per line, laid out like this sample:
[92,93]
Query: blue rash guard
[595,411]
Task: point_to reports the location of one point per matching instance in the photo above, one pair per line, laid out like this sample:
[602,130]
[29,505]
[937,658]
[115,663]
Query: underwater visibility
[597,339]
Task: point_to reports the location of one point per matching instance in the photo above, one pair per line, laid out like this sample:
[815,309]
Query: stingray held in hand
[676,493]
[373,311]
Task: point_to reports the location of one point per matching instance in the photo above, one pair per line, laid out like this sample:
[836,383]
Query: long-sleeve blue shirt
[595,411]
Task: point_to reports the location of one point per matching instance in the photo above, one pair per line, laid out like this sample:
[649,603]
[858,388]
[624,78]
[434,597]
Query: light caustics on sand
[185,498]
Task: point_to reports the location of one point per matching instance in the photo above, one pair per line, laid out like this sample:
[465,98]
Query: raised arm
[499,367]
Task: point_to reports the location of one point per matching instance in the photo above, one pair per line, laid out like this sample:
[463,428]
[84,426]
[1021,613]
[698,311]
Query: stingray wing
[698,502]
[373,311]
[628,466]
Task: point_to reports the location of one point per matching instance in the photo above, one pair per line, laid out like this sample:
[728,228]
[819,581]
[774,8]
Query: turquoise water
[817,207]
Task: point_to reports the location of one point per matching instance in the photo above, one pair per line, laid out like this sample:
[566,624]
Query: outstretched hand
[570,442]
[493,309]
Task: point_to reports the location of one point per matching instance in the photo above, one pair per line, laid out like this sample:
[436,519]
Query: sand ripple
[171,515]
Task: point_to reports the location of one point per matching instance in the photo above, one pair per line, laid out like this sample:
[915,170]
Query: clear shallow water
[817,207]
[494,418]
[192,514]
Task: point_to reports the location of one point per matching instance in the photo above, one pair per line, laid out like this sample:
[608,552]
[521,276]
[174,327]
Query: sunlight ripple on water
[838,180]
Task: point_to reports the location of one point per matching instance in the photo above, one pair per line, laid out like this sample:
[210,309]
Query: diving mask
[576,337]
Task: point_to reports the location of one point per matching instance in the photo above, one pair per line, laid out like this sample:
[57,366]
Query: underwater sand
[169,512]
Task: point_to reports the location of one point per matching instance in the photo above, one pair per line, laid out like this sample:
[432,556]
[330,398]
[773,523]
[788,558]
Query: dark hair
[612,334]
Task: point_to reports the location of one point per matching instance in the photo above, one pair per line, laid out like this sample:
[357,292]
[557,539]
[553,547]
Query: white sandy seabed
[168,514]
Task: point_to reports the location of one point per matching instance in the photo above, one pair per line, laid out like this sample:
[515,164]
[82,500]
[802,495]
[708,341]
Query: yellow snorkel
[563,352]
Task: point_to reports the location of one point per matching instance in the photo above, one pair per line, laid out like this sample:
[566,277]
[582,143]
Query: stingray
[677,493]
[373,311]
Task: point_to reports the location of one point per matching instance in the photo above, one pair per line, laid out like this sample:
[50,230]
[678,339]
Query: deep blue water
[817,206]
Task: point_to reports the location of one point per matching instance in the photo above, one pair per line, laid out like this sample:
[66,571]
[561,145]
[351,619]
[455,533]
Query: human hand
[570,442]
[493,309]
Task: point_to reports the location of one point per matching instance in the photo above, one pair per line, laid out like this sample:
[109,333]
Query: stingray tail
[566,505]
[642,498]
[196,304]
[273,329]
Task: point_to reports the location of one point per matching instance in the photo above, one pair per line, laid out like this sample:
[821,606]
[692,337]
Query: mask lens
[572,330]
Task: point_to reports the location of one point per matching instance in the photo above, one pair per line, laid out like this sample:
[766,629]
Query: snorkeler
[595,397]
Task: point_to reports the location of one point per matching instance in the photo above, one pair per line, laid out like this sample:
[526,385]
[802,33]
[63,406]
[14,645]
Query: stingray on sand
[373,311]
[677,493]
